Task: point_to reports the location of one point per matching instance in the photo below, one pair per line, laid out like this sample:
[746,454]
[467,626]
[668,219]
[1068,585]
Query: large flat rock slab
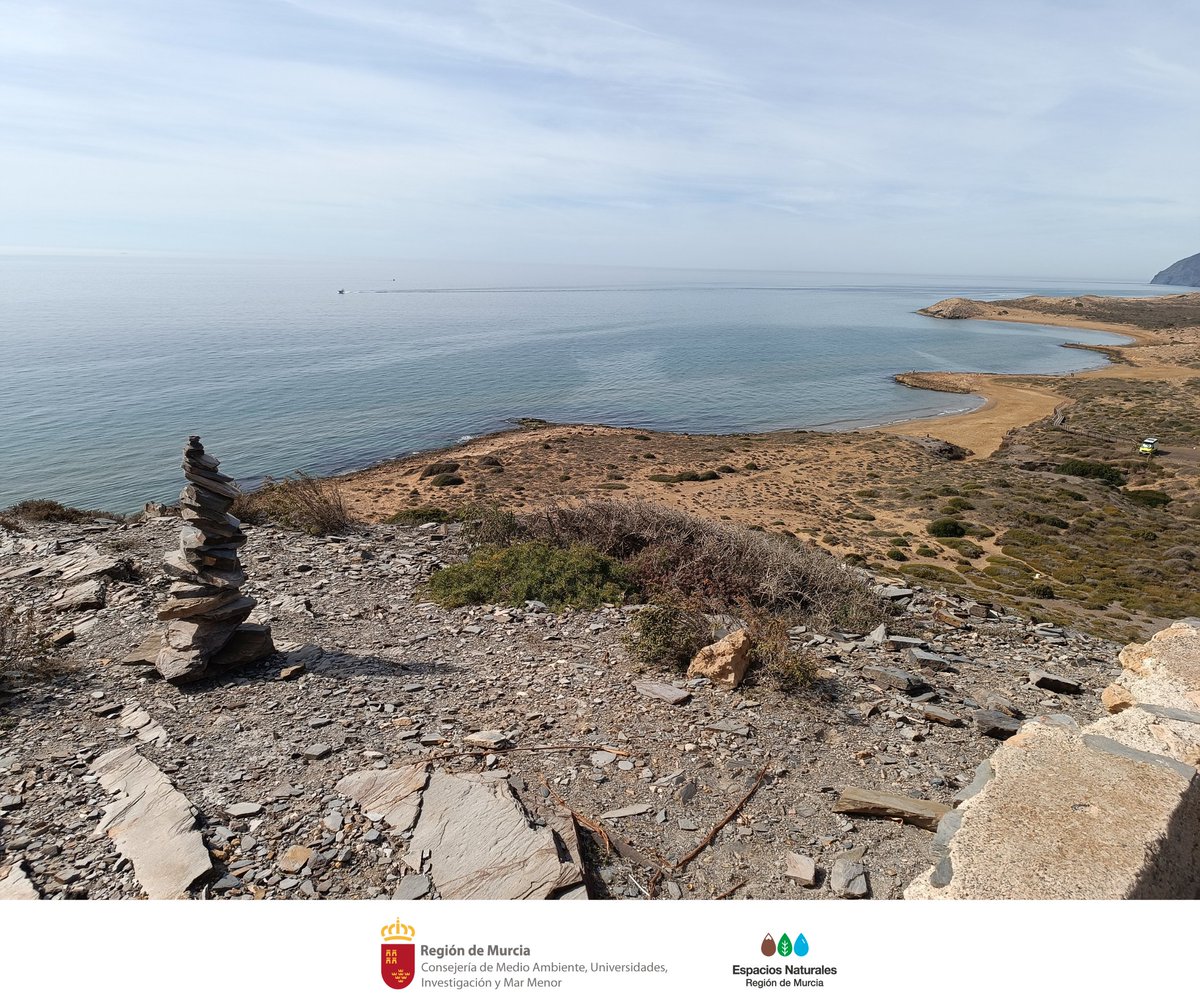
[16,885]
[152,824]
[1166,670]
[1065,818]
[483,846]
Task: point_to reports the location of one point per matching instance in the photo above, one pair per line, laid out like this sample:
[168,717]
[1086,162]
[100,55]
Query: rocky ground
[371,678]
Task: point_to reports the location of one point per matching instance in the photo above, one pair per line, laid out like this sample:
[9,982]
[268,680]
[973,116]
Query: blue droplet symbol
[800,947]
[784,947]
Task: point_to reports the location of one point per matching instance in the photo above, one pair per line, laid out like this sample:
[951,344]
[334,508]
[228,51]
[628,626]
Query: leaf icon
[768,945]
[785,946]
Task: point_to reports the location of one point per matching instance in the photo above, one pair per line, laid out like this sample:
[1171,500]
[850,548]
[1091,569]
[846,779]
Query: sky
[1054,139]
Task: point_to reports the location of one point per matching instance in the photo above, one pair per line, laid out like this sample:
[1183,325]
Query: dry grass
[728,566]
[300,503]
[23,649]
[53,512]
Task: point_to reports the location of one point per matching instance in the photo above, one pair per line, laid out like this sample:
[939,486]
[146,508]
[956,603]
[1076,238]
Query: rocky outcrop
[953,308]
[1185,272]
[206,610]
[1108,810]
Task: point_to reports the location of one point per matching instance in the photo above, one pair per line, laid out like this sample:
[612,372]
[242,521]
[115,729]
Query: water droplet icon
[801,946]
[785,946]
[768,945]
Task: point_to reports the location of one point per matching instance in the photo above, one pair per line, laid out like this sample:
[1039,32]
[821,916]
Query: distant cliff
[1185,272]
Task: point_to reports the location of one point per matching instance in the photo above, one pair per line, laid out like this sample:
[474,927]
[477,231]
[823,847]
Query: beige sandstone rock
[1117,698]
[725,661]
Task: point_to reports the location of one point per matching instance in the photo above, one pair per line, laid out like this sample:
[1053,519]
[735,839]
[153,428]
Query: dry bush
[22,647]
[673,552]
[300,503]
[53,512]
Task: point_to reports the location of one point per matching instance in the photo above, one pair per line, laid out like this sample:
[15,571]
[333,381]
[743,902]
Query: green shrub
[896,555]
[965,548]
[446,479]
[926,552]
[439,468]
[673,553]
[946,527]
[1092,470]
[1147,497]
[668,634]
[1041,590]
[417,515]
[576,577]
[488,525]
[957,504]
[935,573]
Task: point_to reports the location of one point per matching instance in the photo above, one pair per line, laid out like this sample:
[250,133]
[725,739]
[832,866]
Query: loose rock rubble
[336,767]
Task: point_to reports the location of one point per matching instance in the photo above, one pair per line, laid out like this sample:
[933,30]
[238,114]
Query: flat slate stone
[244,809]
[151,823]
[394,793]
[633,810]
[894,677]
[1054,683]
[876,803]
[662,691]
[996,724]
[935,714]
[848,879]
[482,845]
[412,887]
[923,658]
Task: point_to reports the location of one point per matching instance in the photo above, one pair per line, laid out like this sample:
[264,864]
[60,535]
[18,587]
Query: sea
[109,362]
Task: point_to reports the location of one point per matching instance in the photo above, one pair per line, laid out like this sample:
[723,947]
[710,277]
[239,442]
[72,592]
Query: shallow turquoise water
[108,364]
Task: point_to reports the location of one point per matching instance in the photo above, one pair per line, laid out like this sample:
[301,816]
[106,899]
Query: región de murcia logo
[397,955]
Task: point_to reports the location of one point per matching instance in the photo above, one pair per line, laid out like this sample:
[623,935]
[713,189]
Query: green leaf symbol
[784,947]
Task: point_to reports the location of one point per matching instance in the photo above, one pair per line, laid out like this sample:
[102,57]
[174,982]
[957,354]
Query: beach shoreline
[1009,401]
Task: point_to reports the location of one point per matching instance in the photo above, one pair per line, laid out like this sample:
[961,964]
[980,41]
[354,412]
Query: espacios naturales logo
[784,946]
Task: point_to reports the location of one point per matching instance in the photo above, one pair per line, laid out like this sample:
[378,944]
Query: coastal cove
[269,361]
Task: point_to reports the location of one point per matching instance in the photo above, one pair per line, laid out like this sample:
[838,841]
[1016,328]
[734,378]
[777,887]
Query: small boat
[341,291]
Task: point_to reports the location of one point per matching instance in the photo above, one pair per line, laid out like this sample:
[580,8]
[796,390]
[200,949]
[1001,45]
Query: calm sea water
[107,364]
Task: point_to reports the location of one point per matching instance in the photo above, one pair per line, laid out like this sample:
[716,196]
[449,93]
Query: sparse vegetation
[417,515]
[52,512]
[669,633]
[946,527]
[23,650]
[575,577]
[1092,470]
[446,479]
[299,503]
[726,565]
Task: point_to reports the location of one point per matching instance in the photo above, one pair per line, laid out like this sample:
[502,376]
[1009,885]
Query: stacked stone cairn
[206,614]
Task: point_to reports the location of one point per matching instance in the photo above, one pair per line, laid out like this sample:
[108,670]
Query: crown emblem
[397,932]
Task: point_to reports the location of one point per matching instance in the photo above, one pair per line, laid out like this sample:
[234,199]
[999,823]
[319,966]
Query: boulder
[724,662]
